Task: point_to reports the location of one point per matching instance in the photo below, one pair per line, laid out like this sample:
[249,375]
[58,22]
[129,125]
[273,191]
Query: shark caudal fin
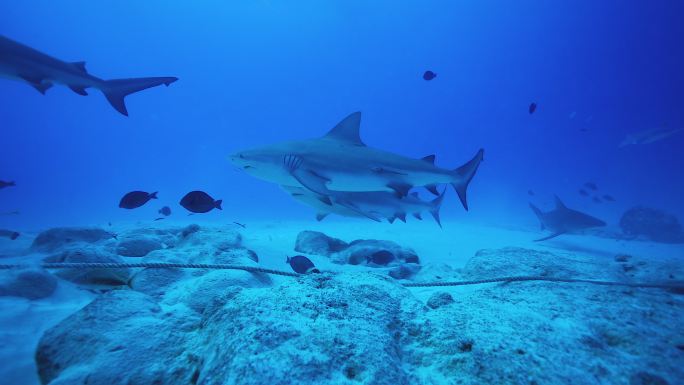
[539,215]
[435,206]
[116,90]
[464,174]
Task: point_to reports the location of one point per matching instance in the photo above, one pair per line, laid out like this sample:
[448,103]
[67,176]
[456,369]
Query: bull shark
[340,161]
[374,205]
[649,136]
[23,63]
[563,220]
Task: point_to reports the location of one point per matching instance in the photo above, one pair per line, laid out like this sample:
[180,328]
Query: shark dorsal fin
[430,159]
[559,204]
[80,65]
[347,130]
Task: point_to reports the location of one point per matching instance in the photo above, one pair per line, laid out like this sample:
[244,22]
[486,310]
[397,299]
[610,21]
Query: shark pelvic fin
[554,235]
[418,216]
[430,159]
[79,90]
[464,175]
[400,189]
[347,130]
[321,216]
[432,188]
[401,216]
[391,219]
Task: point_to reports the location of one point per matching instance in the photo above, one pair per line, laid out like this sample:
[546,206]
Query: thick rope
[252,269]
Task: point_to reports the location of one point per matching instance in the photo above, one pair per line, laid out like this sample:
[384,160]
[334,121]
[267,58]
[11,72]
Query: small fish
[200,202]
[9,234]
[159,219]
[135,199]
[301,264]
[240,224]
[382,258]
[530,193]
[532,108]
[597,200]
[583,193]
[608,198]
[165,211]
[591,186]
[4,184]
[429,75]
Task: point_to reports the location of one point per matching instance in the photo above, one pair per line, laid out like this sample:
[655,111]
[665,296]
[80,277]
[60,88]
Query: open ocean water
[341,192]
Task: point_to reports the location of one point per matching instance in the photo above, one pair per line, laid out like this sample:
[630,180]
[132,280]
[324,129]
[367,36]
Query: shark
[41,71]
[563,220]
[375,205]
[649,136]
[340,161]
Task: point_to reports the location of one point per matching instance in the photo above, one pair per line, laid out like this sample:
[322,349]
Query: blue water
[253,73]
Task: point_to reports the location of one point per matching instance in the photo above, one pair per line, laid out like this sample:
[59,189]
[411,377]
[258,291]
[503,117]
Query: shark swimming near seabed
[375,205]
[563,220]
[340,161]
[23,63]
[649,136]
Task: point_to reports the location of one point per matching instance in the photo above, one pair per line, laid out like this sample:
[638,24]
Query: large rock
[137,247]
[31,284]
[90,276]
[361,250]
[653,224]
[53,239]
[317,243]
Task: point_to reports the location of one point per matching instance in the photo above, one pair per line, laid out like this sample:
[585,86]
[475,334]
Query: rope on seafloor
[253,269]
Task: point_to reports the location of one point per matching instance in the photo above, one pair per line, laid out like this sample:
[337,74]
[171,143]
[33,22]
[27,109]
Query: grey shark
[340,161]
[563,220]
[375,205]
[649,136]
[23,63]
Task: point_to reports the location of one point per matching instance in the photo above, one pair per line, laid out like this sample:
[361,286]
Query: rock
[155,282]
[646,378]
[440,299]
[653,224]
[90,276]
[137,247]
[404,271]
[237,256]
[31,284]
[317,243]
[53,239]
[189,230]
[122,337]
[359,251]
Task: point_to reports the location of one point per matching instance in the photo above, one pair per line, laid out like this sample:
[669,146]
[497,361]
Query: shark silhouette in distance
[375,205]
[341,162]
[649,136]
[563,220]
[23,63]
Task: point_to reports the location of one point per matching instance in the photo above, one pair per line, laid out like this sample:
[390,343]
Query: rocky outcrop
[652,224]
[56,238]
[30,284]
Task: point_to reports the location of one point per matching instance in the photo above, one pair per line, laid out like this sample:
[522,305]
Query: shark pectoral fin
[37,83]
[321,216]
[554,235]
[400,189]
[401,216]
[418,216]
[79,90]
[391,219]
[307,178]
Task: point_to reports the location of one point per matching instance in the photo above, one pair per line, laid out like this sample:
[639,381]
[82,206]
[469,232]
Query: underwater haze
[578,107]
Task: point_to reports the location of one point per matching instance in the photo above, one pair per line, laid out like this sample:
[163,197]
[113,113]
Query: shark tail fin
[116,90]
[464,174]
[435,206]
[539,215]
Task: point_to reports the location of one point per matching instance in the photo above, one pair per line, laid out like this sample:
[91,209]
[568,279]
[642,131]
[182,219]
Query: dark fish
[583,193]
[4,184]
[165,211]
[240,224]
[301,264]
[530,192]
[429,75]
[9,234]
[532,108]
[135,199]
[608,198]
[597,200]
[159,219]
[382,258]
[591,186]
[200,202]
